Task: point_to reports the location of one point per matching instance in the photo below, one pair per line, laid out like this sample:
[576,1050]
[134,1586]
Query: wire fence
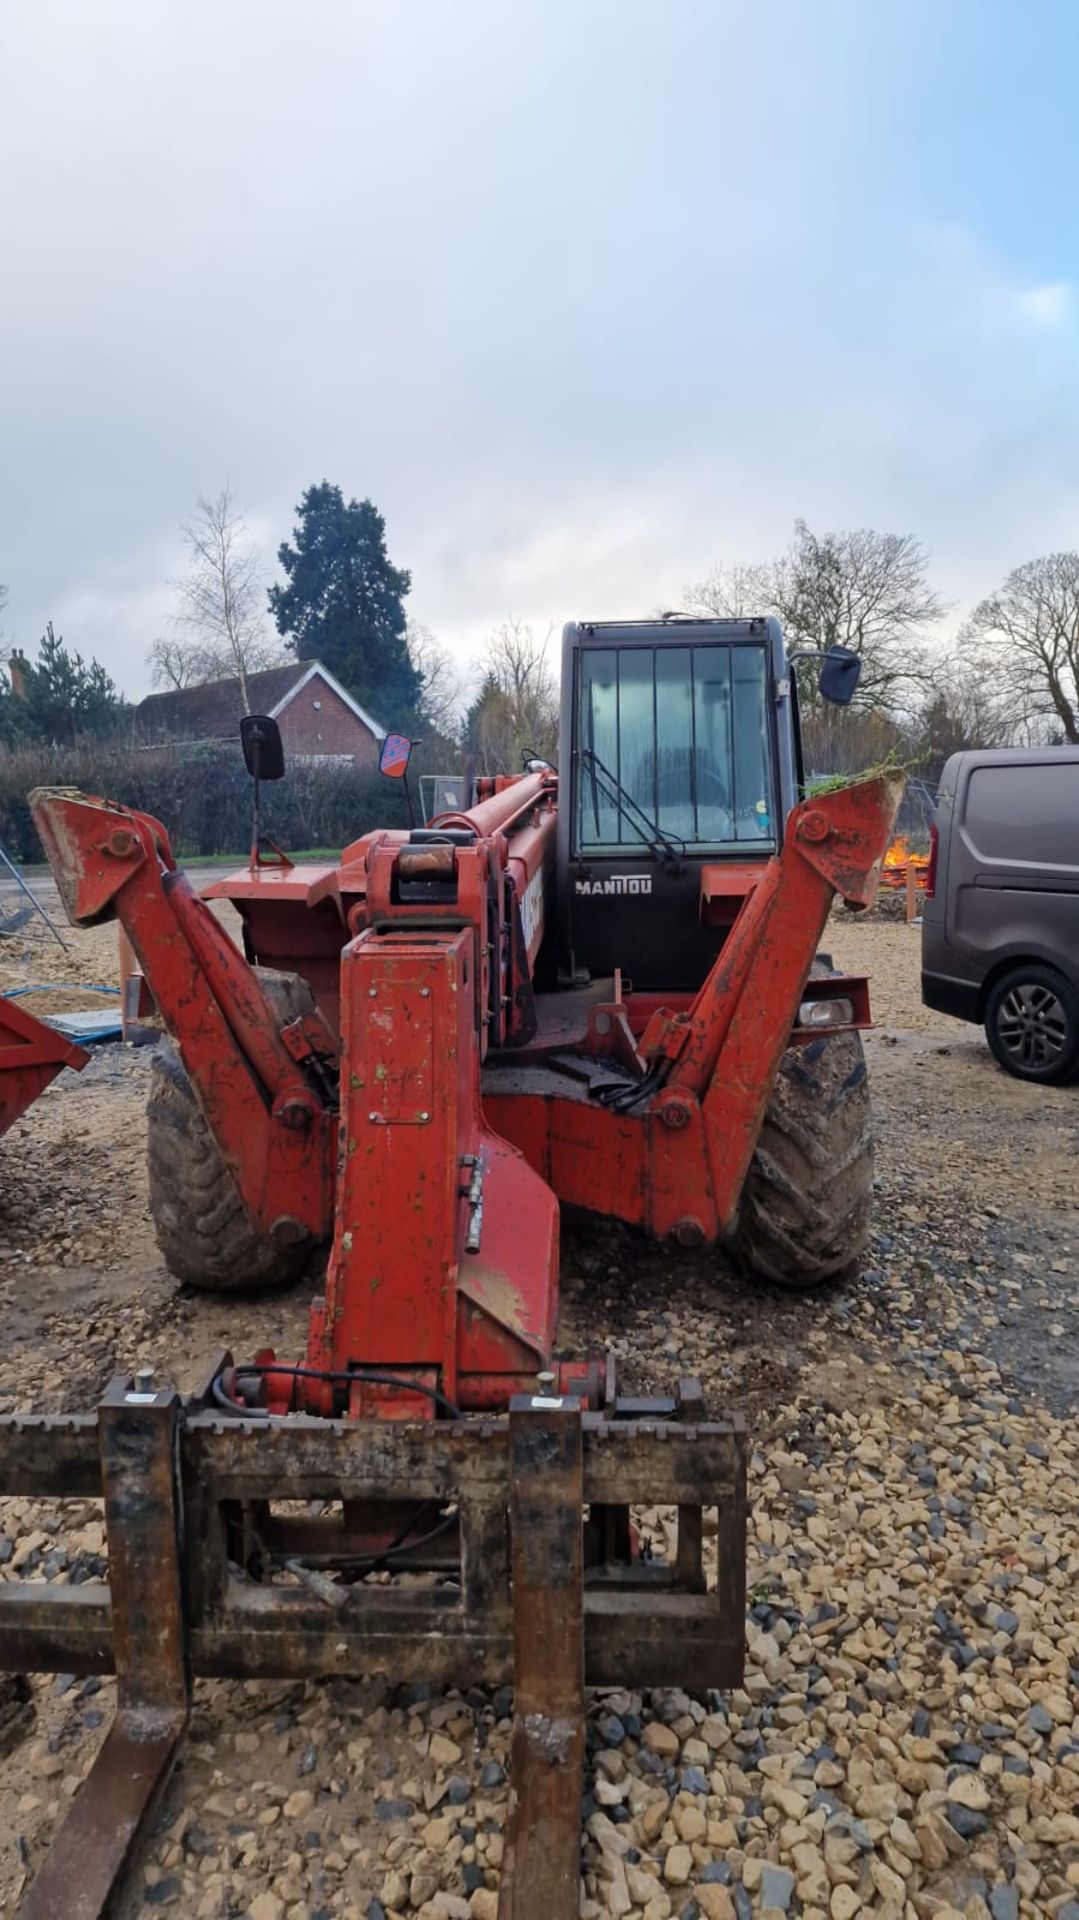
[916,810]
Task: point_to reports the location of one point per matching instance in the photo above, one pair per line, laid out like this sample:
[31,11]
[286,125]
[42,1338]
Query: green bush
[202,795]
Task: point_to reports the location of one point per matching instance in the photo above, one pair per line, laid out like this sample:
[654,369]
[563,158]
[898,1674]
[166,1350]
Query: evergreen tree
[61,698]
[344,601]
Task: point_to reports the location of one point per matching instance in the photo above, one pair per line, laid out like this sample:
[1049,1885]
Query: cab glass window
[674,738]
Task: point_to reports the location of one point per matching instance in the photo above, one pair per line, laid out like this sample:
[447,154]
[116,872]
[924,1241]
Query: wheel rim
[1032,1026]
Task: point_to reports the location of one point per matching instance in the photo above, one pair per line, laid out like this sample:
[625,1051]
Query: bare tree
[220,603]
[516,710]
[959,712]
[173,665]
[442,693]
[1024,642]
[732,592]
[861,589]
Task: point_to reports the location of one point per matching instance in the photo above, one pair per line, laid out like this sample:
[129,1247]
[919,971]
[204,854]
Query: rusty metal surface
[47,1629]
[628,1460]
[519,1587]
[50,1455]
[142,1523]
[137,1435]
[690,1518]
[78,1876]
[230,1624]
[542,1865]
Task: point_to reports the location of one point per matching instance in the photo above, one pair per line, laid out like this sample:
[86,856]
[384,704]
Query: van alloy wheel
[1033,1025]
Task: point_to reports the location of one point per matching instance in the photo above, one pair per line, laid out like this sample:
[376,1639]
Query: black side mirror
[264,755]
[839,676]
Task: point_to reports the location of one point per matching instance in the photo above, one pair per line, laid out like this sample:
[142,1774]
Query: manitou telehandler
[597,986]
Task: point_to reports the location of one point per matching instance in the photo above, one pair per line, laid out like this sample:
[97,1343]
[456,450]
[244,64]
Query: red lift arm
[276,1135]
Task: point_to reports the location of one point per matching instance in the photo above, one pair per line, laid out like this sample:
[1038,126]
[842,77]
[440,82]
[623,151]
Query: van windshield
[685,733]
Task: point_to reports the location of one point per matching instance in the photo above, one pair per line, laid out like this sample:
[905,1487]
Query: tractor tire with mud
[804,1216]
[203,1229]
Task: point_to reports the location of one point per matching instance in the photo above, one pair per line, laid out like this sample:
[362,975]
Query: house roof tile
[213,711]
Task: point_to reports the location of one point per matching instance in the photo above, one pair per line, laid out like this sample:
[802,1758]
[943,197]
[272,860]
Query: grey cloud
[583,296]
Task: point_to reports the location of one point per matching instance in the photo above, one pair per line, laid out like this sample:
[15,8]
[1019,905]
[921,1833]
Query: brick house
[317,718]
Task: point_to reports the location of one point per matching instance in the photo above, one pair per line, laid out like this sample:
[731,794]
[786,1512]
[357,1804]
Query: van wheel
[1032,1024]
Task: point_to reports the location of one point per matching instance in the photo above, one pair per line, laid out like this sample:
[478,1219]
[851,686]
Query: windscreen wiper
[663,845]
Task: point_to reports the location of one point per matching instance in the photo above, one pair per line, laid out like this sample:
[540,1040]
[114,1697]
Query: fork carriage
[534,1575]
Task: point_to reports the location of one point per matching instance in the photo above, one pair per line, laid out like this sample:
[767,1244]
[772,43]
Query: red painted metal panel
[729,879]
[445,1250]
[723,888]
[31,1055]
[279,884]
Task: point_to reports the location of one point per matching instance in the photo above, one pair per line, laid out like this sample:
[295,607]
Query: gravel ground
[907,1739]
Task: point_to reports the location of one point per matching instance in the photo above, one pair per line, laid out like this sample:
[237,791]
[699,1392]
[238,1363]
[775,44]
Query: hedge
[201,793]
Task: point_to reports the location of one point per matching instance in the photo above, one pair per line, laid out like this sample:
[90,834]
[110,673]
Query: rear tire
[804,1215]
[203,1229]
[1032,1024]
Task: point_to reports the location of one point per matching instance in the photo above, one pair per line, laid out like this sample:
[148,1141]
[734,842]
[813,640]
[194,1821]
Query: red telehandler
[597,987]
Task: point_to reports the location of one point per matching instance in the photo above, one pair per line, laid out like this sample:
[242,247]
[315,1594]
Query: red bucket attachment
[31,1056]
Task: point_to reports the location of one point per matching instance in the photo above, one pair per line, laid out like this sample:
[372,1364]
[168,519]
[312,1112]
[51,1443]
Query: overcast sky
[586,296]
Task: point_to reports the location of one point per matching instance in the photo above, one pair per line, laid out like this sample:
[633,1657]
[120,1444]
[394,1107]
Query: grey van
[1000,923]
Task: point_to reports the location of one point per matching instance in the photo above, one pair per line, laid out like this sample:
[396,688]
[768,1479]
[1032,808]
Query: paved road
[43,886]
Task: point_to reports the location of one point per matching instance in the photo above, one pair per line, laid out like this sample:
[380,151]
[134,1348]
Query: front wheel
[203,1229]
[1032,1024]
[804,1212]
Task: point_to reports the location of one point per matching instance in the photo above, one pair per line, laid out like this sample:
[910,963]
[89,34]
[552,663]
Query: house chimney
[16,667]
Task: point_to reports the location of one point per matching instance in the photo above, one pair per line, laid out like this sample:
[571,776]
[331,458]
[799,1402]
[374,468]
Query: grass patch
[241,859]
[835,782]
